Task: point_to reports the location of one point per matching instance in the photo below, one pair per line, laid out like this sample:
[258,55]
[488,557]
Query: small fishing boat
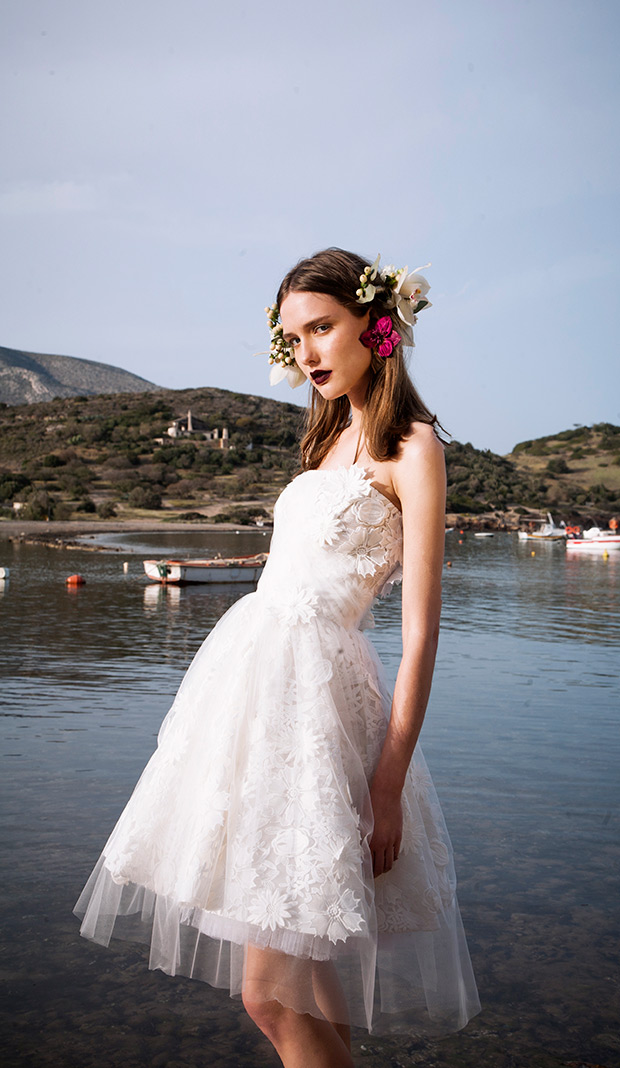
[548,531]
[183,572]
[593,538]
[484,534]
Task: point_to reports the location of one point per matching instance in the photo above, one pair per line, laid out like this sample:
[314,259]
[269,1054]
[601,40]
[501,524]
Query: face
[324,337]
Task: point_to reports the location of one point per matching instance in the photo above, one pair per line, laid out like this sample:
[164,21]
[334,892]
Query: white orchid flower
[409,291]
[291,372]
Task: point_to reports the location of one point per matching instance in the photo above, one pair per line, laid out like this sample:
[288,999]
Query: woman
[285,839]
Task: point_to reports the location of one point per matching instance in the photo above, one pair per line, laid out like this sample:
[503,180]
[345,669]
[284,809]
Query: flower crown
[281,356]
[405,292]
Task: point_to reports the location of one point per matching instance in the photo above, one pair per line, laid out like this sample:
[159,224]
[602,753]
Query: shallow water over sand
[522,739]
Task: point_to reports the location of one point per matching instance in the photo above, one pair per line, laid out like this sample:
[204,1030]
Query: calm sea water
[521,736]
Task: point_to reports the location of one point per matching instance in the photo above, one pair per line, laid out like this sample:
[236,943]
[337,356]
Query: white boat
[184,572]
[484,534]
[593,538]
[548,531]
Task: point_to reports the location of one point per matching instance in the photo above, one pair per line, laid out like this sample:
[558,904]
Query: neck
[356,427]
[357,400]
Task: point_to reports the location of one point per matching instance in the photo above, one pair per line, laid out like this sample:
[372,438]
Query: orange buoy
[75,580]
[460,541]
[533,553]
[448,563]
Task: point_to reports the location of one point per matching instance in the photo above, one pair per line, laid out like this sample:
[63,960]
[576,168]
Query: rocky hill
[113,455]
[28,377]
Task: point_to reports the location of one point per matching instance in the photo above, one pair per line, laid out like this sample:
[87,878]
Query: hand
[387,832]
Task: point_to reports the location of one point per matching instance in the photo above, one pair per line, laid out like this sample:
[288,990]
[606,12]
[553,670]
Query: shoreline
[64,533]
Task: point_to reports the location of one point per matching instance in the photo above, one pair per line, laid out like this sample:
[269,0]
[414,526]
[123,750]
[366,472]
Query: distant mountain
[27,377]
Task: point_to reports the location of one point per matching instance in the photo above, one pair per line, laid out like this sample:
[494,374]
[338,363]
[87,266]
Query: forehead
[300,308]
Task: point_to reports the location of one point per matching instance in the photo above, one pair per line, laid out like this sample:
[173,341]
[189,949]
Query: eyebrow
[308,326]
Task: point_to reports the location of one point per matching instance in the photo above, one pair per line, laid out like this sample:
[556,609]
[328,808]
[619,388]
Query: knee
[269,1016]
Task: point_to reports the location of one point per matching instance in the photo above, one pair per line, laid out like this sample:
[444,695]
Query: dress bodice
[337,544]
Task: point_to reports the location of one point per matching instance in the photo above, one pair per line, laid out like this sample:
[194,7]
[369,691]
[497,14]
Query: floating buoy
[533,552]
[4,572]
[75,580]
[460,531]
[448,563]
[461,540]
[605,555]
[125,566]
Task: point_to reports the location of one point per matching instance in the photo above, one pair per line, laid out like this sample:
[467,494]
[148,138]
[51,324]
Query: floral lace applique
[335,915]
[365,549]
[270,908]
[356,520]
[295,605]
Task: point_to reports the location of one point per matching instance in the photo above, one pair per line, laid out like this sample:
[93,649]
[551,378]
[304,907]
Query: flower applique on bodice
[337,544]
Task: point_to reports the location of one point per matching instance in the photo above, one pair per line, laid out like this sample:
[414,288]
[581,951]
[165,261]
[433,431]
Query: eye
[322,328]
[292,341]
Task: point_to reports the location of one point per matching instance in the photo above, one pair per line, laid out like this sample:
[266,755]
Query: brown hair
[392,401]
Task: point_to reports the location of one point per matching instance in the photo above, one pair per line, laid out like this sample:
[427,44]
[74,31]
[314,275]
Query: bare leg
[330,998]
[300,1040]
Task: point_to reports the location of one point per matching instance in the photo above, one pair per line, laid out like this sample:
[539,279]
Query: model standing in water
[285,840]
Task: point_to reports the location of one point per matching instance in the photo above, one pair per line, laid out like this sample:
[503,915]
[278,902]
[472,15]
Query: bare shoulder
[421,456]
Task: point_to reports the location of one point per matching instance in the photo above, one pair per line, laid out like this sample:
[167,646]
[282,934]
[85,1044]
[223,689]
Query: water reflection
[543,593]
[521,735]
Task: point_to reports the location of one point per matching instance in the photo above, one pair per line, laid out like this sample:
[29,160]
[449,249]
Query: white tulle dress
[250,824]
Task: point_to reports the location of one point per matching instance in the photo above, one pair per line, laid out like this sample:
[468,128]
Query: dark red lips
[320,377]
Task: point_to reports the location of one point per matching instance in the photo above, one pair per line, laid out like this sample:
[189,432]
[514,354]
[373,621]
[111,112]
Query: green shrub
[557,466]
[106,510]
[11,484]
[145,497]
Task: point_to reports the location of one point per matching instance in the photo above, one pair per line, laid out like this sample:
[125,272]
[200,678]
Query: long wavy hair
[392,402]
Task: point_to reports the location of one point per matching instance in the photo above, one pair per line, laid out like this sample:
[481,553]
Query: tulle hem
[415,982]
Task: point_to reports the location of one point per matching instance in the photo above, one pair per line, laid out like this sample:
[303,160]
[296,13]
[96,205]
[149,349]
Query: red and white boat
[593,538]
[184,572]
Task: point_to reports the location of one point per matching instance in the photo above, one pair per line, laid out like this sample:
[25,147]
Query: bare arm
[420,483]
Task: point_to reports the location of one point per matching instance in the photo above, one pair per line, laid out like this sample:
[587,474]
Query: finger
[382,863]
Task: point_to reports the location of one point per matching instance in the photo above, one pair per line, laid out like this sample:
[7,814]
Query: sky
[164,163]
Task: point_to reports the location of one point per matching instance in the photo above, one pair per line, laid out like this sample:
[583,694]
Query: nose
[305,354]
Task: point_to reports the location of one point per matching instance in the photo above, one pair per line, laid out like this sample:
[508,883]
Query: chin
[329,394]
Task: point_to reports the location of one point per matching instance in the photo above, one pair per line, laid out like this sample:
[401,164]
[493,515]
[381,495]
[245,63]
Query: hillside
[111,455]
[579,468]
[28,377]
